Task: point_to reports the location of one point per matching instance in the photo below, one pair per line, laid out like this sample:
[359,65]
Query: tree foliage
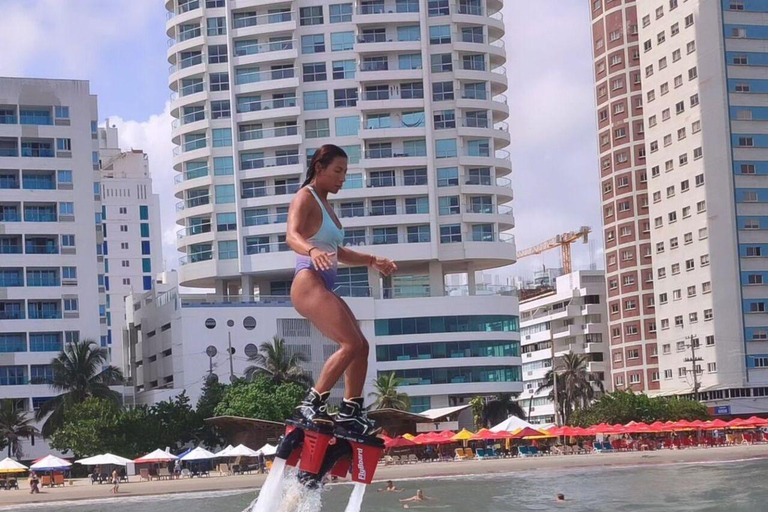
[577,387]
[275,361]
[15,425]
[386,394]
[626,406]
[500,408]
[79,372]
[261,398]
[478,408]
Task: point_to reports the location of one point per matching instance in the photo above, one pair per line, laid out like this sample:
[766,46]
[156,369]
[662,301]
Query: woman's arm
[350,257]
[298,217]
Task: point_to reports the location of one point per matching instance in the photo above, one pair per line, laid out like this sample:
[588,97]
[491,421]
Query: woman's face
[332,177]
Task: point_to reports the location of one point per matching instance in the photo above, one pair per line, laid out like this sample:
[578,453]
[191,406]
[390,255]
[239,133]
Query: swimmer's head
[420,493]
[560,497]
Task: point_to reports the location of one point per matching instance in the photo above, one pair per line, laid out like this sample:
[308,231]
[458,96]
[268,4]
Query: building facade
[624,189]
[703,65]
[569,319]
[414,95]
[51,261]
[132,234]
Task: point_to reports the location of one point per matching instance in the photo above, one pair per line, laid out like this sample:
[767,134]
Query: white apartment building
[705,95]
[571,319]
[132,233]
[51,262]
[414,94]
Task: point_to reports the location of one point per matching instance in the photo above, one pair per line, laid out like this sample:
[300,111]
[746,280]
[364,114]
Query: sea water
[739,486]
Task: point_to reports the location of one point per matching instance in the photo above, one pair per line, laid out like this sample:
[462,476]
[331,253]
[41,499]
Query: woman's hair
[323,156]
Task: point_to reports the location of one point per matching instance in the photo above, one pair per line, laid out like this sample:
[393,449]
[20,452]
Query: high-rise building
[624,192]
[414,94]
[698,82]
[704,93]
[567,319]
[51,262]
[132,235]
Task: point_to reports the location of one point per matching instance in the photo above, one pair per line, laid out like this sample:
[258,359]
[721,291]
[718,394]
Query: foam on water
[272,491]
[356,499]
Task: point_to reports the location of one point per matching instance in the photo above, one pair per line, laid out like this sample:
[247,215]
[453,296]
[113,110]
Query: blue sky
[120,46]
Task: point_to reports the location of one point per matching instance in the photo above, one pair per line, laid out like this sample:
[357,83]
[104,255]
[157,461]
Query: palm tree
[274,361]
[386,394]
[14,425]
[502,407]
[577,387]
[79,372]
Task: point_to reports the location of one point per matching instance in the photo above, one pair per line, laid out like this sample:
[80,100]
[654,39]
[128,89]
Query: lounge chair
[412,458]
[607,446]
[460,454]
[523,451]
[396,459]
[481,454]
[557,450]
[58,479]
[388,460]
[534,451]
[45,480]
[469,453]
[144,474]
[598,447]
[224,470]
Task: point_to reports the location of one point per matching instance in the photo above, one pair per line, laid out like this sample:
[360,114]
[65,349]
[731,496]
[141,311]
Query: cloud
[153,136]
[66,38]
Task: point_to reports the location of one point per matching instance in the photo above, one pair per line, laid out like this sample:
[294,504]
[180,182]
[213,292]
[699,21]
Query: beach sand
[83,490]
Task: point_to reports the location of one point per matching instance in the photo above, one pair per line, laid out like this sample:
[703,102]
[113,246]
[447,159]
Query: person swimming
[390,488]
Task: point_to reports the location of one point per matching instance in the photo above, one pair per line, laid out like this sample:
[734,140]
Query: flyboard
[317,450]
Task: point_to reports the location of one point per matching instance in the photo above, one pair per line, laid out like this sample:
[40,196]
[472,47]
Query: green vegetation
[625,406]
[386,394]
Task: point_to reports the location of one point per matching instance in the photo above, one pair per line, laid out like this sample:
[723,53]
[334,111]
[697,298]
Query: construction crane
[564,241]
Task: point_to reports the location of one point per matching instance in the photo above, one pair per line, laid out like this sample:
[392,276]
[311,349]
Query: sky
[120,46]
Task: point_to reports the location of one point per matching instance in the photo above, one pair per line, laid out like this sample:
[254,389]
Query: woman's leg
[333,318]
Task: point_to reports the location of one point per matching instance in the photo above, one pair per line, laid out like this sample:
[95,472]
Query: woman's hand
[383,265]
[321,260]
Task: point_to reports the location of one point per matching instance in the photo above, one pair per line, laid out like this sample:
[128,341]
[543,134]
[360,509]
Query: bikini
[328,238]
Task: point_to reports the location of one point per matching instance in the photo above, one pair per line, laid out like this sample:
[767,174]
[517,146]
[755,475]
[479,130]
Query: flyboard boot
[313,410]
[352,419]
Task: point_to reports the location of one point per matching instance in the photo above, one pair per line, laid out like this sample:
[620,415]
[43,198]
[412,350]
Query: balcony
[263,24]
[266,162]
[261,138]
[39,215]
[193,202]
[12,310]
[264,52]
[45,247]
[250,192]
[37,149]
[256,81]
[252,249]
[190,175]
[197,229]
[387,12]
[196,257]
[9,215]
[263,219]
[43,310]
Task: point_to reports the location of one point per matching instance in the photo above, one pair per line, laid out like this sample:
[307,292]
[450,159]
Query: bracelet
[309,251]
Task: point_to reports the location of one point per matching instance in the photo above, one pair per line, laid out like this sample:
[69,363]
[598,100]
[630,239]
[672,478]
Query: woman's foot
[314,408]
[352,418]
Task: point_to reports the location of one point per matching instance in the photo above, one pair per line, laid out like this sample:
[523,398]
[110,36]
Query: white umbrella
[8,465]
[241,451]
[223,453]
[511,424]
[156,456]
[267,450]
[104,460]
[198,453]
[50,463]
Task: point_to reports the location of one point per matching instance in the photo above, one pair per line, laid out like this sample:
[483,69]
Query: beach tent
[511,424]
[241,451]
[156,456]
[50,463]
[8,465]
[267,450]
[223,453]
[198,453]
[104,460]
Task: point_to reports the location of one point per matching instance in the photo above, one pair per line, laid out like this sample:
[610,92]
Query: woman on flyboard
[315,234]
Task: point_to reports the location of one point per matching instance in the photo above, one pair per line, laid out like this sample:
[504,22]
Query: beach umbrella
[8,465]
[464,435]
[754,421]
[421,438]
[399,442]
[104,460]
[525,432]
[223,453]
[50,463]
[716,424]
[156,456]
[241,451]
[198,453]
[409,437]
[267,450]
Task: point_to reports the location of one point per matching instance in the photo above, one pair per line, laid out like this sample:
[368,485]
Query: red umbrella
[754,421]
[399,442]
[682,425]
[558,431]
[718,423]
[739,423]
[698,424]
[527,431]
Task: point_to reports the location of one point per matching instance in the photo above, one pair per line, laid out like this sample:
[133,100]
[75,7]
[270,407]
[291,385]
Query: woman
[34,483]
[115,481]
[316,236]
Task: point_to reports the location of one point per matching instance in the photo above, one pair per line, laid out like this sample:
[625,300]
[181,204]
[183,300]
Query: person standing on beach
[115,481]
[316,236]
[34,483]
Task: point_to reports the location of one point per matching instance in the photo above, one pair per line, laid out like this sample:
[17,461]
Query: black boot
[352,418]
[313,409]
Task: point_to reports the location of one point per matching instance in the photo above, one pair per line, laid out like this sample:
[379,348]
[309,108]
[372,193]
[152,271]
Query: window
[228,250]
[450,233]
[225,194]
[340,13]
[342,69]
[707,314]
[217,53]
[344,98]
[347,126]
[448,205]
[704,260]
[688,20]
[342,41]
[222,137]
[439,34]
[219,81]
[216,26]
[314,43]
[315,128]
[695,100]
[311,16]
[693,73]
[315,100]
[442,91]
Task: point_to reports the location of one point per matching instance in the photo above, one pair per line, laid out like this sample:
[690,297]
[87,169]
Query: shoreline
[83,490]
